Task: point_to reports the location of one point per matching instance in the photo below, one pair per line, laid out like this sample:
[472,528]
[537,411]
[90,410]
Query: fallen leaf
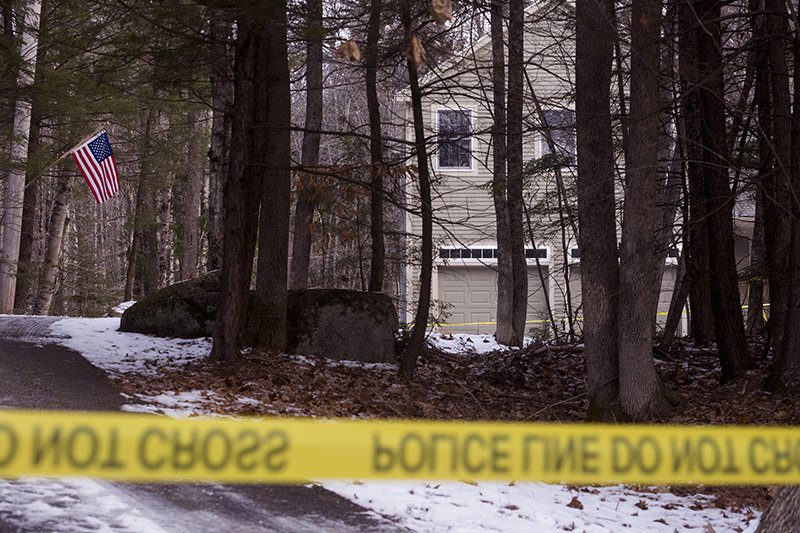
[575,503]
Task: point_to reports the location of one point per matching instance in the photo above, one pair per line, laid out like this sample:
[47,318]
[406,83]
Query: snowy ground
[448,506]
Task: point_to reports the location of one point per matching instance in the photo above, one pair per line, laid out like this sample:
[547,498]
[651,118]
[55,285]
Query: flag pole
[68,152]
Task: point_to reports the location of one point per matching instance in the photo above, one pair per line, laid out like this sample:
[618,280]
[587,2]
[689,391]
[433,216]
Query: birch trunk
[55,238]
[15,181]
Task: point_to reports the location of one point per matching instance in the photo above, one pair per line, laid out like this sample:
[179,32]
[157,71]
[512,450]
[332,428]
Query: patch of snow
[122,307]
[98,340]
[460,344]
[466,507]
[170,403]
[35,504]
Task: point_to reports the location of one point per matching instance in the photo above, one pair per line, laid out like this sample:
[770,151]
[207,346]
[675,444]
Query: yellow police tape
[151,448]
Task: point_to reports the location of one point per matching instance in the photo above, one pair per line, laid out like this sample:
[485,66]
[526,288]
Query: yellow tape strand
[149,448]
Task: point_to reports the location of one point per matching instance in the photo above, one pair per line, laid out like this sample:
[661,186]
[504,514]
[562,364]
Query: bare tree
[15,180]
[595,37]
[639,387]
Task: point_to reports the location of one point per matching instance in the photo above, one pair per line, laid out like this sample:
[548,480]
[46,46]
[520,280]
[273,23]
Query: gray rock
[342,324]
[334,323]
[186,309]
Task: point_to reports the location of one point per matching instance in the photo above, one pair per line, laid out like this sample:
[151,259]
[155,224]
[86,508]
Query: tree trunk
[274,110]
[787,366]
[783,513]
[164,232]
[676,305]
[193,192]
[758,256]
[408,361]
[15,180]
[242,190]
[515,184]
[725,303]
[702,320]
[146,275]
[778,204]
[55,238]
[27,270]
[639,387]
[595,37]
[505,269]
[307,191]
[221,120]
[377,263]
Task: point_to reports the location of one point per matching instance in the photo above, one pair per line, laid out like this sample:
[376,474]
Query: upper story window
[455,138]
[560,124]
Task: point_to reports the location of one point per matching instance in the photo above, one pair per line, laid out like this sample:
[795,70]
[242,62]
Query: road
[38,374]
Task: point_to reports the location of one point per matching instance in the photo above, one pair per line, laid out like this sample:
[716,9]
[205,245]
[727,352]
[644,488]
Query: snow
[98,340]
[122,307]
[460,344]
[481,507]
[35,504]
[423,507]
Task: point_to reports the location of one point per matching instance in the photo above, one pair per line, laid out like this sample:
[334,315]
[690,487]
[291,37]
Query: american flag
[96,162]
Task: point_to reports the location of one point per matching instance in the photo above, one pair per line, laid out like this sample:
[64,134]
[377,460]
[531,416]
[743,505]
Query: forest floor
[461,377]
[471,378]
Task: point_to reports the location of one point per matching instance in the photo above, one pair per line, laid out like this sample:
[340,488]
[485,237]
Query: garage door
[470,293]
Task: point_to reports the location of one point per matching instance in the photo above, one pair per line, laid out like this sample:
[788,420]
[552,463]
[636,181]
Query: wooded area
[244,130]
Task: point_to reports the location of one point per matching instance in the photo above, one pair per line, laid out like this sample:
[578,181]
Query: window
[486,253]
[560,124]
[455,138]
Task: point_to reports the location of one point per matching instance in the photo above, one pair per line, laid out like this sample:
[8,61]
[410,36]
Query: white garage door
[471,295]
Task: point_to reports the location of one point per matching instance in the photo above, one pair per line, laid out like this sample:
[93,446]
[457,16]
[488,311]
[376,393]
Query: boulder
[334,323]
[342,324]
[186,309]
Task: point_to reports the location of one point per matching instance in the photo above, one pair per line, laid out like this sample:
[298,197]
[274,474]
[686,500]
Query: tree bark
[242,189]
[221,120]
[274,103]
[595,37]
[377,263]
[307,191]
[505,272]
[515,184]
[15,180]
[758,256]
[725,303]
[193,192]
[165,231]
[778,204]
[787,366]
[639,387]
[55,238]
[783,513]
[408,360]
[702,320]
[27,270]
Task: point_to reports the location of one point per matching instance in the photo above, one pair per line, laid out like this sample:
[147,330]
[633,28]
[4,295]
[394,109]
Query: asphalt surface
[37,374]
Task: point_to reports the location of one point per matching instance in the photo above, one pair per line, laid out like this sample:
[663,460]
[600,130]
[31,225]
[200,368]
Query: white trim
[473,113]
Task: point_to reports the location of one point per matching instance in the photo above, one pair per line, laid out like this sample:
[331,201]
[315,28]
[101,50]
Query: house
[458,110]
